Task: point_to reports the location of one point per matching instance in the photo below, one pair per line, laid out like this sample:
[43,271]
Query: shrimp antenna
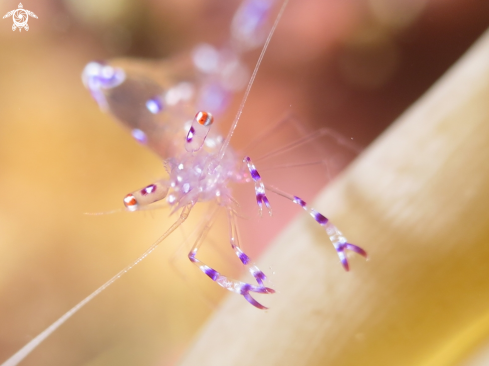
[32,345]
[250,83]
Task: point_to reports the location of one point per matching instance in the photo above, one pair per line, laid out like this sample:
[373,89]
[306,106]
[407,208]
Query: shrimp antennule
[250,83]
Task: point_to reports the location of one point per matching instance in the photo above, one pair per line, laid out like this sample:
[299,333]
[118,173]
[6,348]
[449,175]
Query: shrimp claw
[336,237]
[241,288]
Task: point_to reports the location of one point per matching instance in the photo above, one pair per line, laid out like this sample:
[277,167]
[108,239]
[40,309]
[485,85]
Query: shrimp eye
[204,118]
[130,202]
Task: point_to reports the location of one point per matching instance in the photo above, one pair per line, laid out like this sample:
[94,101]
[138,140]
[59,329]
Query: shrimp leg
[336,236]
[261,197]
[239,287]
[243,257]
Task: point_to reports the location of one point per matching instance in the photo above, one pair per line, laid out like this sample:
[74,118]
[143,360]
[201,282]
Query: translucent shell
[153,99]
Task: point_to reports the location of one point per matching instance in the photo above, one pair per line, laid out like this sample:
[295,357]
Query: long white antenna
[250,83]
[29,347]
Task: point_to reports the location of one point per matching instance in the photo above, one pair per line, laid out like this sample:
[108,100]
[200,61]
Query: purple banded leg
[261,197]
[154,105]
[230,284]
[348,246]
[336,237]
[243,257]
[238,287]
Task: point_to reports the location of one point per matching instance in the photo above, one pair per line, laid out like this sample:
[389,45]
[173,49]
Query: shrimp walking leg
[29,347]
[261,197]
[243,257]
[178,254]
[335,236]
[239,287]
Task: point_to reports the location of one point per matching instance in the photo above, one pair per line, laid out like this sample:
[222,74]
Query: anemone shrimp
[205,169]
[202,171]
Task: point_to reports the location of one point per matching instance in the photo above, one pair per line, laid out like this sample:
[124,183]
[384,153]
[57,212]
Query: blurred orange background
[353,66]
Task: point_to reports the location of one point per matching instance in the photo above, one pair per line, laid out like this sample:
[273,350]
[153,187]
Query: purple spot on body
[139,136]
[322,220]
[154,105]
[255,175]
[110,77]
[244,258]
[149,189]
[190,134]
[212,273]
[107,81]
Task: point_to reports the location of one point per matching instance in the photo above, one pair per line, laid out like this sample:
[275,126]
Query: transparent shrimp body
[201,177]
[131,99]
[202,174]
[156,100]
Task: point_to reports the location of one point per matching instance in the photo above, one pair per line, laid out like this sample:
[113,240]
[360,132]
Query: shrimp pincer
[335,236]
